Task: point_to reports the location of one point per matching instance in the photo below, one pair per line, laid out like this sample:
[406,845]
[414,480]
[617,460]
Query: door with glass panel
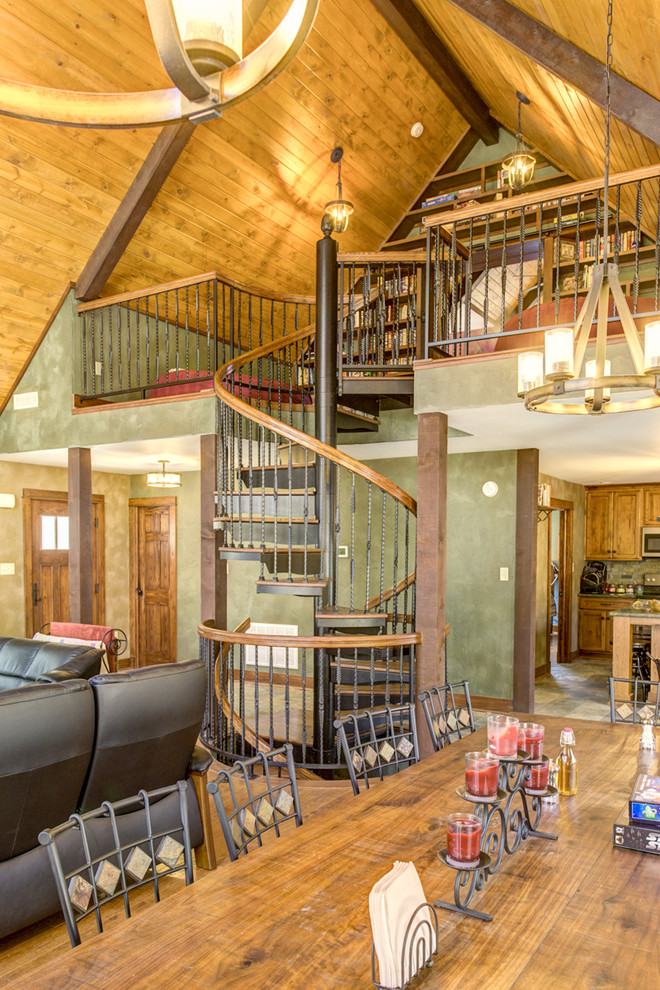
[46,539]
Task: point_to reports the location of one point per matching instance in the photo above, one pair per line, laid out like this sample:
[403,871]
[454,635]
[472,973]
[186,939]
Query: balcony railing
[495,273]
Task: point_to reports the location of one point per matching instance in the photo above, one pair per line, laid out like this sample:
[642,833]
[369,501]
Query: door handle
[35,592]
[138,589]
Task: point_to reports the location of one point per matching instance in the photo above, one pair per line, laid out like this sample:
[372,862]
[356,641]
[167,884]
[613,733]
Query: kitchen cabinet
[595,629]
[651,506]
[612,525]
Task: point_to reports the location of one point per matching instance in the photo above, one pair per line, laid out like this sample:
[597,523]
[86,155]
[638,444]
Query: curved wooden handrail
[404,583]
[312,642]
[290,432]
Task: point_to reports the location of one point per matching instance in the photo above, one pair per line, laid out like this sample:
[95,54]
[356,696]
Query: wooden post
[213,570]
[524,625]
[431,559]
[81,536]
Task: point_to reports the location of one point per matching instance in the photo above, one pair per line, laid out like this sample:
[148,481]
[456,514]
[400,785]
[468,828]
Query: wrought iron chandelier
[200,44]
[338,210]
[565,347]
[520,166]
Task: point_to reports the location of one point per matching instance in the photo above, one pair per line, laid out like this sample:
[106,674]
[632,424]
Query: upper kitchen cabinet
[613,520]
[651,515]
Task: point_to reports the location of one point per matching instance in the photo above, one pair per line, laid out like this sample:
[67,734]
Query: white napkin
[392,902]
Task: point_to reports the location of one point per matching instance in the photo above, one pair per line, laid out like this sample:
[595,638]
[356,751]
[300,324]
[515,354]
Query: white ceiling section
[129,457]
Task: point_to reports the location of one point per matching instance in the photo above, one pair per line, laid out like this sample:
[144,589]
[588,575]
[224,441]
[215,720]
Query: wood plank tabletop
[567,914]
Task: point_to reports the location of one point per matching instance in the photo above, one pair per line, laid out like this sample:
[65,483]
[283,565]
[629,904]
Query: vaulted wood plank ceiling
[246,195]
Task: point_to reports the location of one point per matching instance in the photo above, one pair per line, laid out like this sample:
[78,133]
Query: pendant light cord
[608,114]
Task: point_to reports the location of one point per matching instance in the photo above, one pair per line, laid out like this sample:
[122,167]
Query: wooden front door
[46,549]
[153,579]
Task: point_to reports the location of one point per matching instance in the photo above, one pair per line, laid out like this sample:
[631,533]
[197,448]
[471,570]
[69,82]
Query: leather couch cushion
[46,737]
[147,724]
[24,661]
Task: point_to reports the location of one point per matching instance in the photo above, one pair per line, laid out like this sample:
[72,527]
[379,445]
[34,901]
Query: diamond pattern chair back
[638,709]
[447,717]
[378,742]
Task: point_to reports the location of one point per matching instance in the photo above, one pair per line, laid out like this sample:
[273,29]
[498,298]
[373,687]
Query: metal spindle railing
[501,270]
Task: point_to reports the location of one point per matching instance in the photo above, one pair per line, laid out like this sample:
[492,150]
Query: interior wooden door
[153,579]
[46,560]
[562,517]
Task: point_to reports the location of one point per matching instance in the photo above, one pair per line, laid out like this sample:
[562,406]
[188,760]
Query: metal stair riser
[258,504]
[298,476]
[251,533]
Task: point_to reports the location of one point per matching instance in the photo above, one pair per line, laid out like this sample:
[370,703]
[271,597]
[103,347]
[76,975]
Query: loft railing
[499,271]
[171,339]
[381,323]
[261,693]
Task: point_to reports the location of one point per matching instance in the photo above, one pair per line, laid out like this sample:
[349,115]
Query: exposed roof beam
[416,32]
[131,211]
[630,104]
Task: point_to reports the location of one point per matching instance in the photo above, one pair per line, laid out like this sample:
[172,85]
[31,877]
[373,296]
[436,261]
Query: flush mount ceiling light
[200,45]
[520,166]
[338,210]
[565,347]
[164,479]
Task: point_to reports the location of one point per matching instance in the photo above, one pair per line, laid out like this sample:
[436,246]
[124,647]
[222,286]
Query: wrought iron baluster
[558,258]
[197,365]
[291,497]
[539,264]
[638,238]
[406,571]
[657,248]
[119,330]
[368,546]
[395,567]
[521,276]
[437,302]
[468,288]
[84,351]
[303,673]
[352,573]
[381,591]
[576,260]
[208,328]
[454,287]
[504,272]
[487,264]
[617,231]
[101,334]
[187,331]
[157,376]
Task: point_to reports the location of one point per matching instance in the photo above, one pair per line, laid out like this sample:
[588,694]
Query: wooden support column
[213,569]
[524,629]
[431,559]
[81,536]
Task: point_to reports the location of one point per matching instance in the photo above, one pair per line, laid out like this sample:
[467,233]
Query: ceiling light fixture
[338,210]
[164,479]
[565,347]
[201,52]
[520,166]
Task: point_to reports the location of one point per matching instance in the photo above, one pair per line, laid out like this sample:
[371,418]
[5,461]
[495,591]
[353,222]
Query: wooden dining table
[293,915]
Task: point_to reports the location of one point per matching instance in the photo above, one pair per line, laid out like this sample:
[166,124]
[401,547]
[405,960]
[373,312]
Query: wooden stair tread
[344,612]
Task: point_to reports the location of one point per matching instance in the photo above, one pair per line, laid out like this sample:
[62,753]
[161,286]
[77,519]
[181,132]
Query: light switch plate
[7,568]
[504,573]
[26,400]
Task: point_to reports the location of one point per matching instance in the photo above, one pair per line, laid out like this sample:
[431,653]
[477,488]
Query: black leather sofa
[27,661]
[70,746]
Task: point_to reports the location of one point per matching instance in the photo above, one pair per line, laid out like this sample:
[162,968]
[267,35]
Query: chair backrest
[637,708]
[46,738]
[448,711]
[378,742]
[253,798]
[147,724]
[25,661]
[108,865]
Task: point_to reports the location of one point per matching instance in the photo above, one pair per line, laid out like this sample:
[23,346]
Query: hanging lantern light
[520,166]
[338,210]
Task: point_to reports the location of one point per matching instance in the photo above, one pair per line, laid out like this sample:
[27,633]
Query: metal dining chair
[104,854]
[378,742]
[637,709]
[259,798]
[448,711]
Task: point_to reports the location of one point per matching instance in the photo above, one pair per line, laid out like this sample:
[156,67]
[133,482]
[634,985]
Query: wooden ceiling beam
[131,211]
[629,103]
[417,34]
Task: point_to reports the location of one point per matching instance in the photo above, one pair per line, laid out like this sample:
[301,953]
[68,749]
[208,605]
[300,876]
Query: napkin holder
[417,951]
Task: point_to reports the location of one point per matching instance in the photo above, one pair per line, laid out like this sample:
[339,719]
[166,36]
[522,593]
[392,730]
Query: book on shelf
[469,192]
[439,200]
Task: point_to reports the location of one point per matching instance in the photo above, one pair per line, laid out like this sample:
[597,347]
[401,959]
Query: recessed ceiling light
[417,130]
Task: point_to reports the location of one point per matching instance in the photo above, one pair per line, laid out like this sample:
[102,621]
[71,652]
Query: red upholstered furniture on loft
[546,318]
[249,387]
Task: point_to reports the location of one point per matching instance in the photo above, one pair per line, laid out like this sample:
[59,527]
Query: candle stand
[420,944]
[504,826]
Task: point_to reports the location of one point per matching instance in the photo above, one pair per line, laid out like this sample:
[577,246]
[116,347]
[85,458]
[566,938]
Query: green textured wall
[14,477]
[188,528]
[52,424]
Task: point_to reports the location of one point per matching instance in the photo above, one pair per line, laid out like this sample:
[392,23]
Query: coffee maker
[593,577]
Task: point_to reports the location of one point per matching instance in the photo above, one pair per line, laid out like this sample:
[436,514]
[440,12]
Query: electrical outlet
[504,573]
[98,368]
[342,551]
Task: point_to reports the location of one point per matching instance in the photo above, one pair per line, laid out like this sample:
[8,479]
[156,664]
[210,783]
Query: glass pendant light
[520,166]
[339,209]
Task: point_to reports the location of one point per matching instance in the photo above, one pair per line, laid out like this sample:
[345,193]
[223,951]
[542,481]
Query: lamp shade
[211,32]
[339,211]
[164,479]
[559,354]
[652,347]
[519,169]
[530,371]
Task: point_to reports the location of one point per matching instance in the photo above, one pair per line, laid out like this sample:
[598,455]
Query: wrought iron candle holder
[503,828]
[420,944]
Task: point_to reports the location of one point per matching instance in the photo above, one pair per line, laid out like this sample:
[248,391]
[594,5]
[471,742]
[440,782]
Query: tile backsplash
[631,571]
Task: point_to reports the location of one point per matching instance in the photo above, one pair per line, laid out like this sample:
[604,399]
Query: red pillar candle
[503,735]
[463,840]
[481,772]
[538,778]
[530,739]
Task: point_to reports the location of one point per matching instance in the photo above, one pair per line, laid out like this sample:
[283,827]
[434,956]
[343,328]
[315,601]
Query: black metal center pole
[325,405]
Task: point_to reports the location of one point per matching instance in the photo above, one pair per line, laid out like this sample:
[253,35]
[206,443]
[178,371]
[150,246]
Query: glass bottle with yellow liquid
[567,774]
